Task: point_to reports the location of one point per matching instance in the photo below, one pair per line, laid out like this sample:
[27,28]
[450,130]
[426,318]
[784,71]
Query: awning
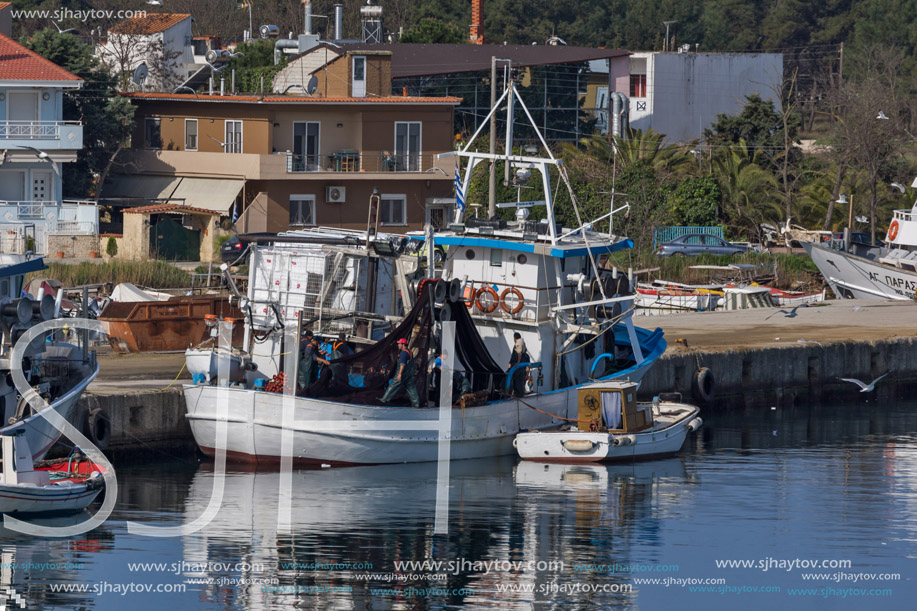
[141,187]
[217,194]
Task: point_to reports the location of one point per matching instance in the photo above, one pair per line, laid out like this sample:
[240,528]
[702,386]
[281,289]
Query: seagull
[864,387]
[222,144]
[60,31]
[882,115]
[43,156]
[898,186]
[791,313]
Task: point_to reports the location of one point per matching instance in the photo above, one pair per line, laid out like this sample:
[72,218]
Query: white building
[160,42]
[681,94]
[34,142]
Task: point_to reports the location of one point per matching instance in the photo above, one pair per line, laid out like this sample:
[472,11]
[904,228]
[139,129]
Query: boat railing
[905,215]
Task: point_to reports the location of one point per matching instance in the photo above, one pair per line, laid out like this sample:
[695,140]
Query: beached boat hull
[588,446]
[861,278]
[342,434]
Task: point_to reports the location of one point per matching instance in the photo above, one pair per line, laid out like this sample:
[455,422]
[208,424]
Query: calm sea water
[773,489]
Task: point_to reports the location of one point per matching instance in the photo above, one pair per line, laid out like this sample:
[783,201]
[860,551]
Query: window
[233,142]
[496,257]
[306,156]
[638,85]
[302,210]
[190,134]
[393,210]
[358,88]
[152,134]
[407,146]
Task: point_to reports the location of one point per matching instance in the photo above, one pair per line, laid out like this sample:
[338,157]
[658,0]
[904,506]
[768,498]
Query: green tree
[748,190]
[695,201]
[760,126]
[429,30]
[107,118]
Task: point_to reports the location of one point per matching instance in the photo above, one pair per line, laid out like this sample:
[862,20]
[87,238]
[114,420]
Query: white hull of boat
[54,498]
[690,303]
[343,434]
[39,432]
[853,276]
[587,446]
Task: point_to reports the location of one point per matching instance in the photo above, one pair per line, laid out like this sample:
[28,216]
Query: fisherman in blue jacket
[404,376]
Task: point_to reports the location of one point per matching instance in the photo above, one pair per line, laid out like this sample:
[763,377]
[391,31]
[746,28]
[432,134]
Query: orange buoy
[893,231]
[519,301]
[494,299]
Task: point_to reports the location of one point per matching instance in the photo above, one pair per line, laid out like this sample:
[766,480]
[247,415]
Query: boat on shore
[538,279]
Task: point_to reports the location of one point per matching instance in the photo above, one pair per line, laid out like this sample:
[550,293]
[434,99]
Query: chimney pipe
[338,21]
[307,26]
[476,35]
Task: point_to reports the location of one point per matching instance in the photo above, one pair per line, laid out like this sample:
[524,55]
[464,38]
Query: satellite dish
[312,85]
[269,31]
[140,75]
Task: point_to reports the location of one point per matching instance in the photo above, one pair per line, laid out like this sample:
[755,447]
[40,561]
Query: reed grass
[152,274]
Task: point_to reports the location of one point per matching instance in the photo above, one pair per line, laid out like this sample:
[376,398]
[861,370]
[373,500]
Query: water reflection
[836,482]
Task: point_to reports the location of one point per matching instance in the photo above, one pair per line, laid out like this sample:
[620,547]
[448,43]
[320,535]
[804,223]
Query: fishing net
[362,377]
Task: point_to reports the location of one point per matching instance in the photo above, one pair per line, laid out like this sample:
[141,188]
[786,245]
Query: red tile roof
[158,208]
[151,23]
[274,99]
[20,64]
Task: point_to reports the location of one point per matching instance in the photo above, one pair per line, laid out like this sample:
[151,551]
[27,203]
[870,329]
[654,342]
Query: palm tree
[748,189]
[652,147]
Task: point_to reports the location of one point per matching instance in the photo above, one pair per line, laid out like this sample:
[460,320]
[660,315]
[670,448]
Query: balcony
[352,161]
[45,135]
[30,210]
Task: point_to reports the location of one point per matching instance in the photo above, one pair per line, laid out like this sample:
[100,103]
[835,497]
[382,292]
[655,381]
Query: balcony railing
[360,162]
[30,210]
[33,130]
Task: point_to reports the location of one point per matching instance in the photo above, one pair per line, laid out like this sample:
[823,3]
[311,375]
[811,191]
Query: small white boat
[60,488]
[612,425]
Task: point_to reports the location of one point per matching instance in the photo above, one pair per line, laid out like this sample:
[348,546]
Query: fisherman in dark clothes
[519,355]
[404,376]
[308,362]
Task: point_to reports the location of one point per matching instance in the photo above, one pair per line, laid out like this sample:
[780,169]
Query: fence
[662,235]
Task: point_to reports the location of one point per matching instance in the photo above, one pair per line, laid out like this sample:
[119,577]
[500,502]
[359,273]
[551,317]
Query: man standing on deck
[308,362]
[340,349]
[404,376]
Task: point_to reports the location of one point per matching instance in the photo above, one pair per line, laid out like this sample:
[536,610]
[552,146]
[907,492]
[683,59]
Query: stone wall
[81,247]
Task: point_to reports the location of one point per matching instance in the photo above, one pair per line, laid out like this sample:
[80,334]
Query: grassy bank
[152,274]
[789,271]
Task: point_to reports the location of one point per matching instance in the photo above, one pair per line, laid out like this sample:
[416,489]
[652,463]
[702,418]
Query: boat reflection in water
[358,523]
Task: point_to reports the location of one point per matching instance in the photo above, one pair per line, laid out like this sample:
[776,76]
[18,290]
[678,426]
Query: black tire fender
[702,385]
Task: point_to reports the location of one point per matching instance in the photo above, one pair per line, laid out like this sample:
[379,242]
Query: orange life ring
[893,231]
[468,296]
[486,290]
[519,301]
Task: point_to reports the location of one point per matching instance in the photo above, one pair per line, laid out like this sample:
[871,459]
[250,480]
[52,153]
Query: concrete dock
[756,357]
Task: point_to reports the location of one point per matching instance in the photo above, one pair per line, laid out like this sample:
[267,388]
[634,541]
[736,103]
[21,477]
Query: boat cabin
[613,408]
[16,461]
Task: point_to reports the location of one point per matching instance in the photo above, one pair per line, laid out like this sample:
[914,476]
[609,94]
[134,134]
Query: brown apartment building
[287,161]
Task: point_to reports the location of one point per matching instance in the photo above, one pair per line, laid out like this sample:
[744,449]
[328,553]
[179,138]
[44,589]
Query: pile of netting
[362,377]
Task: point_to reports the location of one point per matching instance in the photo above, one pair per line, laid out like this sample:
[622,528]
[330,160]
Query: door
[306,156]
[358,89]
[42,187]
[407,146]
[233,142]
[716,246]
[23,106]
[437,216]
[172,242]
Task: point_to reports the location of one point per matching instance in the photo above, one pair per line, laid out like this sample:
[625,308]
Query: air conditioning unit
[335,195]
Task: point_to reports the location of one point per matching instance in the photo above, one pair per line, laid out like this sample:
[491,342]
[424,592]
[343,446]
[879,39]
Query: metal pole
[85,331]
[428,231]
[492,184]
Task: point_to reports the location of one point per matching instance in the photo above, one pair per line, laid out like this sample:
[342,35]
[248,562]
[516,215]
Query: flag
[459,194]
[235,213]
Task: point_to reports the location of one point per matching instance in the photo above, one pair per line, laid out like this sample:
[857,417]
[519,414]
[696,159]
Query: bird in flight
[62,31]
[863,387]
[791,313]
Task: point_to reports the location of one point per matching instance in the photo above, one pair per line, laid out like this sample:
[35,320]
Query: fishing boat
[56,368]
[57,487]
[613,426]
[656,298]
[501,277]
[855,270]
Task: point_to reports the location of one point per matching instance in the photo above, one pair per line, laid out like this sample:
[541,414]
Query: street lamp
[665,47]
